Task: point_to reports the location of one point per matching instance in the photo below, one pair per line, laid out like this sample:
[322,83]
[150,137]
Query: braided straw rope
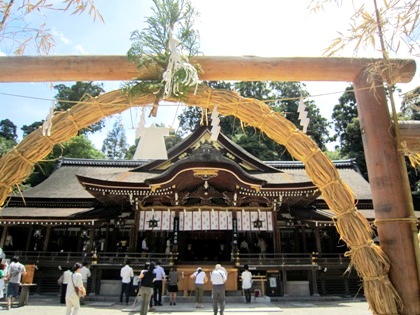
[368,259]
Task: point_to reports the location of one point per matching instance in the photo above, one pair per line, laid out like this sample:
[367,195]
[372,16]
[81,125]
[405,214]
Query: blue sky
[266,28]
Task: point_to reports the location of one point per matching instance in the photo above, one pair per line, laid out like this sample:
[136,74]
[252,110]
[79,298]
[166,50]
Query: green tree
[282,97]
[27,129]
[6,145]
[8,130]
[347,130]
[343,114]
[410,105]
[115,144]
[150,47]
[68,96]
[77,147]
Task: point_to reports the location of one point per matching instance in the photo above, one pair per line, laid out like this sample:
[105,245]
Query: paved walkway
[39,305]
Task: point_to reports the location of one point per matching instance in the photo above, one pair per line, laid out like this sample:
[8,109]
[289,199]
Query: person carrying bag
[75,290]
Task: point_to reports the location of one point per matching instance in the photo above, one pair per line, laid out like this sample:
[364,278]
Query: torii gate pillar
[391,197]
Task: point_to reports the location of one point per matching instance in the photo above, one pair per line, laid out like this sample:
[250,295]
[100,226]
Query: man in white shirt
[218,277]
[85,272]
[158,284]
[127,275]
[15,272]
[246,276]
[144,247]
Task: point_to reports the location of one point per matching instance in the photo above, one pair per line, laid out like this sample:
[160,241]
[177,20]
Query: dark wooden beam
[117,68]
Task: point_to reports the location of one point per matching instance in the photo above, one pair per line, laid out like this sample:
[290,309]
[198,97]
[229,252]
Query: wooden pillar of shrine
[46,239]
[29,238]
[4,235]
[390,191]
[135,231]
[317,240]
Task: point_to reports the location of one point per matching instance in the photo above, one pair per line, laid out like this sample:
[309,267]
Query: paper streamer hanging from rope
[178,63]
[141,126]
[215,121]
[303,113]
[152,144]
[47,124]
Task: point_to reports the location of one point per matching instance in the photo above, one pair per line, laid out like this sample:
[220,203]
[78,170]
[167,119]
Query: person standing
[126,275]
[64,282]
[262,245]
[200,279]
[144,247]
[2,277]
[72,297]
[85,272]
[14,276]
[218,278]
[158,284]
[146,290]
[246,276]
[243,247]
[173,285]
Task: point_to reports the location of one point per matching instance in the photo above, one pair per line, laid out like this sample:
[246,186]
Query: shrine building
[209,202]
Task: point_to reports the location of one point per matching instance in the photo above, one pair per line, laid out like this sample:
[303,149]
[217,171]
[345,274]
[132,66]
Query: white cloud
[60,36]
[80,49]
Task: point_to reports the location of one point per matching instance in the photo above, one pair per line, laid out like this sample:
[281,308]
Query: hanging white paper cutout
[215,121]
[178,62]
[152,144]
[141,126]
[303,113]
[47,125]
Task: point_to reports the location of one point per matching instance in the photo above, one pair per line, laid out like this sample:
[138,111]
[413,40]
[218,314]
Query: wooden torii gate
[387,173]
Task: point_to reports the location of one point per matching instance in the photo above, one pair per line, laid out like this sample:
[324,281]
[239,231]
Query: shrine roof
[195,149]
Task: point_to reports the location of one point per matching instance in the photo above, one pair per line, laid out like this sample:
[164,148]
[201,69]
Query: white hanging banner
[255,220]
[156,220]
[205,220]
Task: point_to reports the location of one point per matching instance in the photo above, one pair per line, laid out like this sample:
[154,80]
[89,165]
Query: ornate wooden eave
[228,149]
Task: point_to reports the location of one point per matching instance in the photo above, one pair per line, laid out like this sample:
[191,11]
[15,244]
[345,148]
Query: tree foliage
[282,97]
[8,130]
[343,113]
[23,24]
[68,96]
[6,145]
[115,144]
[347,130]
[150,46]
[27,129]
[77,147]
[410,106]
[397,22]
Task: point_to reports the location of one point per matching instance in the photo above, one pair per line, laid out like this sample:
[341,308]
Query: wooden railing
[291,259]
[139,259]
[102,258]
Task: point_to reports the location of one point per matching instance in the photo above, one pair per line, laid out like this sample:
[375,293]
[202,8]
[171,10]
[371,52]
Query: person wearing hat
[218,277]
[200,279]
